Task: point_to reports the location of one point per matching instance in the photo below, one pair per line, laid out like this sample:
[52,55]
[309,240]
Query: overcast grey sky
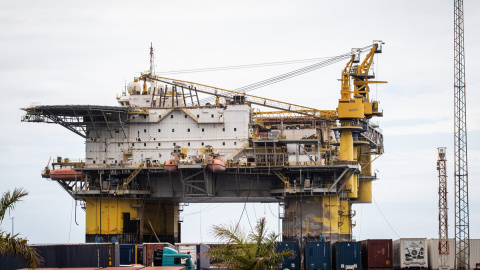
[82,52]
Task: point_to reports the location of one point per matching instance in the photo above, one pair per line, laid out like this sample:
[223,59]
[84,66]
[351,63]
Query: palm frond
[8,201]
[242,251]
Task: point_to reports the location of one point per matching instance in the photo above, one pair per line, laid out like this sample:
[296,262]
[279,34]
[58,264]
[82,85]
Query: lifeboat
[171,165]
[216,165]
[66,174]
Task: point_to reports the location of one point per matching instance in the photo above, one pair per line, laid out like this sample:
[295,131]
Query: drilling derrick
[462,248]
[443,247]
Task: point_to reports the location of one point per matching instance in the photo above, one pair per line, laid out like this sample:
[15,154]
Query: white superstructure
[159,121]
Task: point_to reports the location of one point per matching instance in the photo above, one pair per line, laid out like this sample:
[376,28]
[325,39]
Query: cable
[244,206]
[385,218]
[271,211]
[201,240]
[280,63]
[291,74]
[204,210]
[248,219]
[71,214]
[376,204]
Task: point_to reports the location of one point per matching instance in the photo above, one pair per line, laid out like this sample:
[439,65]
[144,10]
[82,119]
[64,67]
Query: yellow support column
[104,217]
[348,153]
[365,186]
[345,220]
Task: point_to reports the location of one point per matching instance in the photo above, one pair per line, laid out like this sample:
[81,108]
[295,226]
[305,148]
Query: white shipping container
[474,253]
[434,257]
[200,262]
[410,253]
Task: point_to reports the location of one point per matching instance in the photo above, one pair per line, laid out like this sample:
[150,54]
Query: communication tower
[462,249]
[443,247]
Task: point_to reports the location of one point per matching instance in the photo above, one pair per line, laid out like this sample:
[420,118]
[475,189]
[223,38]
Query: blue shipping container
[292,262]
[346,255]
[317,255]
[127,254]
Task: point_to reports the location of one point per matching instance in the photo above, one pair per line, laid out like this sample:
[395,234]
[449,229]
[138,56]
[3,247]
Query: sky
[83,52]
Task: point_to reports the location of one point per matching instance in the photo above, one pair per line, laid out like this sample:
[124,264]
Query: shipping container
[127,254]
[148,249]
[318,255]
[140,254]
[434,257]
[377,254]
[71,256]
[410,253]
[291,262]
[9,262]
[474,253]
[197,251]
[346,255]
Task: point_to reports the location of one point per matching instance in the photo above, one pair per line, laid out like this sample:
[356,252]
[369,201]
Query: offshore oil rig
[164,147]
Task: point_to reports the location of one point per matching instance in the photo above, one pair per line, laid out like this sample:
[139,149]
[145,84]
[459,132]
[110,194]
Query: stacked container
[292,262]
[474,253]
[346,256]
[377,254]
[434,257]
[71,256]
[131,254]
[317,255]
[410,253]
[200,260]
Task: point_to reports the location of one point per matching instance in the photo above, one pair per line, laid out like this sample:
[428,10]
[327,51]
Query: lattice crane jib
[462,246]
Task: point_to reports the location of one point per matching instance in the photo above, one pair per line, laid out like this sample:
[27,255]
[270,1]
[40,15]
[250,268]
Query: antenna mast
[151,59]
[462,245]
[443,247]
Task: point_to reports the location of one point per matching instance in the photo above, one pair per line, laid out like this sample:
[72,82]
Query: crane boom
[219,92]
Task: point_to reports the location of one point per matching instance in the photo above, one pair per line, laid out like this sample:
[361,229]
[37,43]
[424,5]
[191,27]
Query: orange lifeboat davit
[216,165]
[171,165]
[66,174]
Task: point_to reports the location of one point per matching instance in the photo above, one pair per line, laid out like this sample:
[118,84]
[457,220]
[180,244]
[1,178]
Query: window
[144,144]
[223,143]
[116,131]
[185,116]
[203,129]
[145,130]
[188,130]
[212,115]
[202,143]
[159,130]
[171,116]
[173,130]
[138,133]
[234,143]
[94,162]
[188,144]
[174,144]
[133,144]
[118,144]
[198,115]
[223,129]
[159,144]
[234,129]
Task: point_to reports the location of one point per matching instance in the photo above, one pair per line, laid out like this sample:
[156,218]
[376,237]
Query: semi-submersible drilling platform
[163,148]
